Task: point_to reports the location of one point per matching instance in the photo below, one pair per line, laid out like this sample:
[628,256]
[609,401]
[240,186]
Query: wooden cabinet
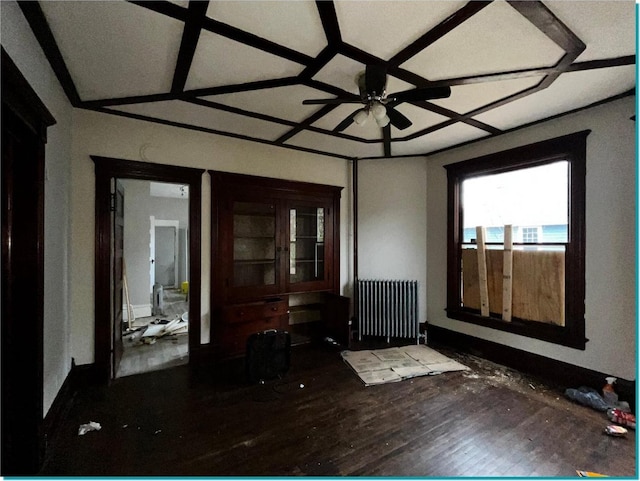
[270,238]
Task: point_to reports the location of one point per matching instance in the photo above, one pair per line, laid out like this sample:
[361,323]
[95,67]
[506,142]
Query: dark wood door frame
[109,168]
[25,119]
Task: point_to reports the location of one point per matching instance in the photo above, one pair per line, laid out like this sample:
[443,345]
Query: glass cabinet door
[254,244]
[307,244]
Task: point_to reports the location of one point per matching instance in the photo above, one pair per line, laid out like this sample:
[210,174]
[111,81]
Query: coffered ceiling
[244,68]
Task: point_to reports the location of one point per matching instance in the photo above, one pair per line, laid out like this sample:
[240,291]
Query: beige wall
[392,212]
[610,237]
[113,136]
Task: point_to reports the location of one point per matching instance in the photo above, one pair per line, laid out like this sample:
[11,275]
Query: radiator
[387,308]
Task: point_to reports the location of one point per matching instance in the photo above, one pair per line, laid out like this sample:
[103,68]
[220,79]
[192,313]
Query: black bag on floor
[268,355]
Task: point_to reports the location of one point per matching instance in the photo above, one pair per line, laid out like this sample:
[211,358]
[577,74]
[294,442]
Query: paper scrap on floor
[381,366]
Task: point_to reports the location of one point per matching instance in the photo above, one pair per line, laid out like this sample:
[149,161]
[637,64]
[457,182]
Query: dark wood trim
[190,35]
[218,132]
[544,20]
[25,119]
[439,31]
[38,23]
[23,101]
[244,87]
[522,73]
[323,58]
[252,40]
[563,374]
[230,32]
[514,129]
[386,135]
[570,147]
[166,8]
[455,116]
[329,19]
[321,112]
[105,170]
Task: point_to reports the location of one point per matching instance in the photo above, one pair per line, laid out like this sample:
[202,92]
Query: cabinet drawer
[254,311]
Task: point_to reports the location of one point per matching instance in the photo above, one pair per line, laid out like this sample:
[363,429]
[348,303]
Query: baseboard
[59,408]
[139,310]
[563,374]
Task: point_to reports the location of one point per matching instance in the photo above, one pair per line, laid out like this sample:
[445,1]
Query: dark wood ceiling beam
[329,19]
[323,58]
[541,17]
[330,89]
[38,23]
[306,123]
[455,116]
[244,87]
[386,138]
[166,8]
[439,31]
[190,35]
[252,40]
[525,73]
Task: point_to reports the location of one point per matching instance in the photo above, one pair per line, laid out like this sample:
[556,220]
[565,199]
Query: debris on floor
[587,396]
[158,328]
[90,426]
[614,430]
[590,474]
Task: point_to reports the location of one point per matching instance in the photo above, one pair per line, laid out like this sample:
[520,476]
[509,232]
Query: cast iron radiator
[387,308]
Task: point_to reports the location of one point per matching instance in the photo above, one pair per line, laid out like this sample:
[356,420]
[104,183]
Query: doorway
[24,133]
[156,277]
[108,169]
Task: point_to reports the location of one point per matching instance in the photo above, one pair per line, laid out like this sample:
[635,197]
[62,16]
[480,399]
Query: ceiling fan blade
[337,100]
[398,120]
[424,93]
[346,122]
[375,79]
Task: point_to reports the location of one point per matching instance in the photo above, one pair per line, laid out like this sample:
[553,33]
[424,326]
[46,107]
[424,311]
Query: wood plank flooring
[320,420]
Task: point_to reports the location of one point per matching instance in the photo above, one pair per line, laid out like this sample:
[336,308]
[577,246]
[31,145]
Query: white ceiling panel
[191,114]
[335,145]
[465,98]
[114,49]
[373,26]
[439,139]
[570,91]
[281,102]
[341,72]
[217,62]
[606,27]
[108,49]
[295,25]
[496,39]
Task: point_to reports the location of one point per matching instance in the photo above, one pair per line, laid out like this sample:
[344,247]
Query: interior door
[166,251]
[22,295]
[117,275]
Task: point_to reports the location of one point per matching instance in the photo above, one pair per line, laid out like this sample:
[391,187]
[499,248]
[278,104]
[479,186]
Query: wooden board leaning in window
[538,284]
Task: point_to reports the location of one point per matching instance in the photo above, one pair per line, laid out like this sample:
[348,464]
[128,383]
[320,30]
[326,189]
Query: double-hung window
[537,194]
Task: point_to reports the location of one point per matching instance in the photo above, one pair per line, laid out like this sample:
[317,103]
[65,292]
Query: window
[539,192]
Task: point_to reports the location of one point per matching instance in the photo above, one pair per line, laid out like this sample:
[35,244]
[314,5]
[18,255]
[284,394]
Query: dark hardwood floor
[319,419]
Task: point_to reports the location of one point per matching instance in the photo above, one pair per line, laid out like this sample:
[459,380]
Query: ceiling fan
[371,84]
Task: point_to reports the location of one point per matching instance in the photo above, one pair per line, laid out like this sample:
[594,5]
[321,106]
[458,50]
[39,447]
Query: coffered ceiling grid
[242,69]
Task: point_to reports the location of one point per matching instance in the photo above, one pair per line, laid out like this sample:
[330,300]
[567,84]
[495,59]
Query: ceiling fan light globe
[384,121]
[361,117]
[379,111]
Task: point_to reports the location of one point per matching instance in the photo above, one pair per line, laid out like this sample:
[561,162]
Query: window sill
[545,332]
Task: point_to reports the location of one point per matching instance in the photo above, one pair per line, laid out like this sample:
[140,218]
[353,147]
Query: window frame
[571,148]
